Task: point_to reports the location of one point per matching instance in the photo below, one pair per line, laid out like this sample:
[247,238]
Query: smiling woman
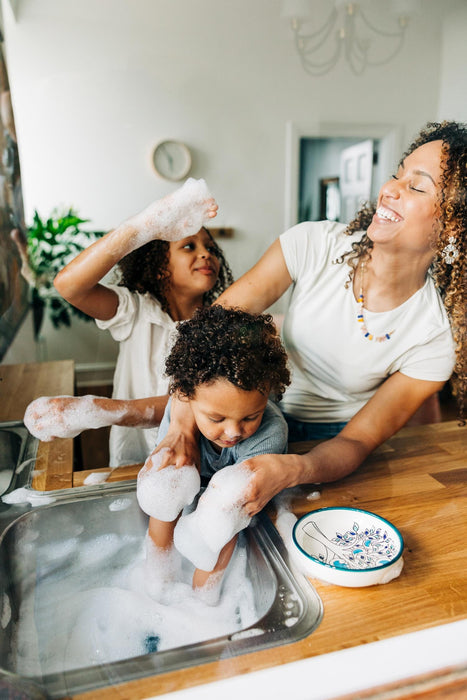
[401,284]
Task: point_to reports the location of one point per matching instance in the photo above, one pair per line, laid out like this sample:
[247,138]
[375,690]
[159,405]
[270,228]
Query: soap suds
[163,493]
[96,478]
[49,417]
[120,504]
[219,515]
[90,605]
[178,215]
[26,495]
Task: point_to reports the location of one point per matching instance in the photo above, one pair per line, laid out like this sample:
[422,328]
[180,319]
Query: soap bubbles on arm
[219,516]
[162,492]
[178,215]
[50,417]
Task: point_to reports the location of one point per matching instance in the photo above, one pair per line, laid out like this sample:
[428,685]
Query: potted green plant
[50,245]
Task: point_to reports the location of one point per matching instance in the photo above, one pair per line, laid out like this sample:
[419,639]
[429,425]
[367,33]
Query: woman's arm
[181,440]
[49,417]
[261,286]
[384,414]
[172,218]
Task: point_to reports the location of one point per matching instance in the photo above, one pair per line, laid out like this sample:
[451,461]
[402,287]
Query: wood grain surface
[19,385]
[417,480]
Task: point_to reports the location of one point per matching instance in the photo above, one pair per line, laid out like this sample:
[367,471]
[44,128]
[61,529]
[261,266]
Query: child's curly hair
[231,344]
[450,279]
[146,270]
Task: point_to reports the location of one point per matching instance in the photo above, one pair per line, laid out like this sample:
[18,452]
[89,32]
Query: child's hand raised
[178,215]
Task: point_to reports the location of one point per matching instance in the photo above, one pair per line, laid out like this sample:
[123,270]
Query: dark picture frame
[329,199]
[14,291]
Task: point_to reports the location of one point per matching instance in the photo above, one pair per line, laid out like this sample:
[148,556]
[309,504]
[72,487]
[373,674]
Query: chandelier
[347,30]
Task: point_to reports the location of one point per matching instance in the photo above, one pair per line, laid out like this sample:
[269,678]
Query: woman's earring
[450,251]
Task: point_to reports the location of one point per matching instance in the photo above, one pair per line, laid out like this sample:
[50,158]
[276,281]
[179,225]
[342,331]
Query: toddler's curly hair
[146,270]
[230,344]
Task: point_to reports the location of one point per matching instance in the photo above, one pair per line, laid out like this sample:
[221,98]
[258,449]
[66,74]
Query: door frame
[389,135]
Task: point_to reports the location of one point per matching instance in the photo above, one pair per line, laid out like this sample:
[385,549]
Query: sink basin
[68,576]
[17,448]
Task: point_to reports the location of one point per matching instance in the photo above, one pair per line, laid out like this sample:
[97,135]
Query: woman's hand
[330,460]
[179,449]
[180,445]
[270,474]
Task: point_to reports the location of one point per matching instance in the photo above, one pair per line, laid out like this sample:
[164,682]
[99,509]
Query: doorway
[317,165]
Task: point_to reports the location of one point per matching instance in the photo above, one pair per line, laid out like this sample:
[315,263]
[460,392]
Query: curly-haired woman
[169,266]
[376,321]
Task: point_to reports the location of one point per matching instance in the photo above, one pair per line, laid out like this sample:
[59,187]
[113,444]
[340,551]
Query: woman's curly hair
[230,344]
[146,270]
[450,279]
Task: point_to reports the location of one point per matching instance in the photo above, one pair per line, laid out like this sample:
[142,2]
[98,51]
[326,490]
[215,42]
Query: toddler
[225,363]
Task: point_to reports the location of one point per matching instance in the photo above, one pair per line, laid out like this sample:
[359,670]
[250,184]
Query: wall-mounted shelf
[221,232]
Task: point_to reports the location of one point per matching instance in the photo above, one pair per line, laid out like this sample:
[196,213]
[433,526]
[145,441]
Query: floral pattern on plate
[357,548]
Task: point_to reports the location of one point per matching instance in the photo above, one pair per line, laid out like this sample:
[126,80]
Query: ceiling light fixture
[347,31]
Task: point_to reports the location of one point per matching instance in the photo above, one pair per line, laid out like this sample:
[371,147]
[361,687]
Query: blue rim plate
[349,550]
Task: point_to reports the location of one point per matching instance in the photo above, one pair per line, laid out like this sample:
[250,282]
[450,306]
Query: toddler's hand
[162,492]
[178,215]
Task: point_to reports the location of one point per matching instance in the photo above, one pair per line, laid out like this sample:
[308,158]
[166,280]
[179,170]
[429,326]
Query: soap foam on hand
[189,541]
[50,417]
[219,515]
[163,493]
[178,215]
[220,509]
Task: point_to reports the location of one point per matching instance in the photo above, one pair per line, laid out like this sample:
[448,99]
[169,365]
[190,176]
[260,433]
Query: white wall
[96,84]
[453,85]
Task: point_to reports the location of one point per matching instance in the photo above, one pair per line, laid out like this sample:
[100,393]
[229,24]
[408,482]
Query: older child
[225,363]
[169,266]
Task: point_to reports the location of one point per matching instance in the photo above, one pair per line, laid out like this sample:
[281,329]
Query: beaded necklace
[361,316]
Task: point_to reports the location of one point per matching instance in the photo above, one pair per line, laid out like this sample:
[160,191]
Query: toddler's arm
[49,417]
[162,492]
[176,216]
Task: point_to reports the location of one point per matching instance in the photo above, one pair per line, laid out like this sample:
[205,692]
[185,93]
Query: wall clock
[171,160]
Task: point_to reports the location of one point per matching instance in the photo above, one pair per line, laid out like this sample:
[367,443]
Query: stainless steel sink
[38,549]
[17,454]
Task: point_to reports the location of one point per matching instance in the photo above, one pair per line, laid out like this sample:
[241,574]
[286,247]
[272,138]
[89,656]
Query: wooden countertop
[418,481]
[19,385]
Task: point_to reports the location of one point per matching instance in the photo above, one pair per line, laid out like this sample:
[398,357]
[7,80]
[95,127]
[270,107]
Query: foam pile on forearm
[49,417]
[163,493]
[220,514]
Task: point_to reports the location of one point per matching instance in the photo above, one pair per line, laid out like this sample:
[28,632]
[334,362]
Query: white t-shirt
[335,369]
[145,334]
